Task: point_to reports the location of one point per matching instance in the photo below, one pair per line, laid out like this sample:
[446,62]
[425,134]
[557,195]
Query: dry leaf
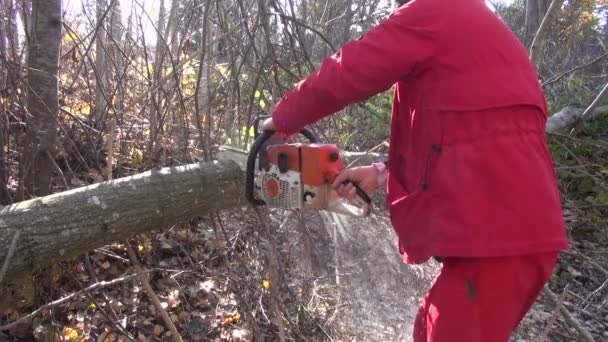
[69,333]
[102,336]
[158,329]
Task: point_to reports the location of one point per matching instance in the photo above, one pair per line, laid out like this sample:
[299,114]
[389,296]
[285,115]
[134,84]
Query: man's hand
[366,177]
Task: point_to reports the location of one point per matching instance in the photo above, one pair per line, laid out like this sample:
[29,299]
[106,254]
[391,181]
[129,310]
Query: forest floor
[215,286]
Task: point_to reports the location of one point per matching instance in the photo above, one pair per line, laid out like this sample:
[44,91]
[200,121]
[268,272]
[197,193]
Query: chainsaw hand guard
[297,175]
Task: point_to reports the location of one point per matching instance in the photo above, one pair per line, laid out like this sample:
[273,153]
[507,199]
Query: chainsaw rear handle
[253,155]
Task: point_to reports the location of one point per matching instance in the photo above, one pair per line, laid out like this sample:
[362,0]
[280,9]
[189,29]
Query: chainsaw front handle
[360,192]
[342,207]
[256,147]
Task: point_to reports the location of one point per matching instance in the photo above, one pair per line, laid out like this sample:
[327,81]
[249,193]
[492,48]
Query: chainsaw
[295,175]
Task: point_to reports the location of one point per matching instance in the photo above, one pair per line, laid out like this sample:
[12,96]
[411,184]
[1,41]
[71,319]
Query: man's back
[469,169]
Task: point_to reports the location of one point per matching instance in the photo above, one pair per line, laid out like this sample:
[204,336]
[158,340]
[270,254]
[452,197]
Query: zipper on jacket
[434,149]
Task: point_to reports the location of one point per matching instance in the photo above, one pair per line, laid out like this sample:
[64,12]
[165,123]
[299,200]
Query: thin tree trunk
[116,32]
[157,103]
[538,43]
[101,88]
[180,123]
[42,97]
[4,65]
[25,13]
[11,30]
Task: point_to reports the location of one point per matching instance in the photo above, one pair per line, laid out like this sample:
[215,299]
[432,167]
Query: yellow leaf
[69,333]
[153,11]
[86,109]
[137,157]
[92,307]
[140,248]
[69,37]
[266,284]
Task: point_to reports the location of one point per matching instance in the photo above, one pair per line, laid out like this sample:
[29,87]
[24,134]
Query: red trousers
[482,299]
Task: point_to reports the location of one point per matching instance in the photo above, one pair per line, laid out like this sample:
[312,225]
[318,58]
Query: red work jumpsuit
[470,178]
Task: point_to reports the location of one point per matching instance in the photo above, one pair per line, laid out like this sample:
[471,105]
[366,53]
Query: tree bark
[67,224]
[42,99]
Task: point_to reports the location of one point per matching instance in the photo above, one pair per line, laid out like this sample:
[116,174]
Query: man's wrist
[381,173]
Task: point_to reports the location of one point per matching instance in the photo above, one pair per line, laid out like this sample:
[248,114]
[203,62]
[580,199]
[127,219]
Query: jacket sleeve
[389,52]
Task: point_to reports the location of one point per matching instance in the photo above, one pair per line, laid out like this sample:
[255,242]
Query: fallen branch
[60,301]
[562,297]
[141,275]
[584,333]
[588,260]
[569,116]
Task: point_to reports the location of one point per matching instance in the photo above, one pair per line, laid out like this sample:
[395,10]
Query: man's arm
[363,67]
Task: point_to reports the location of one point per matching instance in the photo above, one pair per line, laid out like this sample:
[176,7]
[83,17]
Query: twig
[272,263]
[596,102]
[146,285]
[382,144]
[112,321]
[584,333]
[57,169]
[589,260]
[9,255]
[560,76]
[587,300]
[316,321]
[562,297]
[60,301]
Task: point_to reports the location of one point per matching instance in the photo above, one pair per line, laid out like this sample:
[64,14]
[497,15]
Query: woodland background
[97,90]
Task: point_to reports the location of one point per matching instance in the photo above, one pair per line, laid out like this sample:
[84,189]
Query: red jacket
[470,173]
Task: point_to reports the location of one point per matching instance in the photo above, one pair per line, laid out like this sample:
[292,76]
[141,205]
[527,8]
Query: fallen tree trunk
[568,116]
[69,223]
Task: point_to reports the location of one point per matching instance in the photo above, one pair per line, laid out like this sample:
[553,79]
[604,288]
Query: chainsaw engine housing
[298,176]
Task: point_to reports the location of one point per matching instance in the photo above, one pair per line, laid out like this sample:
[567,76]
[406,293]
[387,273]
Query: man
[470,179]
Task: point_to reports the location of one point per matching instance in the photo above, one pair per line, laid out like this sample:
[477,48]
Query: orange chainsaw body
[300,175]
